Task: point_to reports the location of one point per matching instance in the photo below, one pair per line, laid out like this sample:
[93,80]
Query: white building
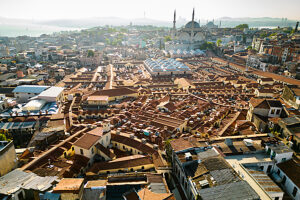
[52,94]
[279,153]
[289,176]
[36,104]
[25,92]
[86,145]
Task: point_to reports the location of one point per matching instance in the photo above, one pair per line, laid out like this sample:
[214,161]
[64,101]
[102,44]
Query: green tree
[90,53]
[249,47]
[2,137]
[167,38]
[219,41]
[242,26]
[263,35]
[107,41]
[207,45]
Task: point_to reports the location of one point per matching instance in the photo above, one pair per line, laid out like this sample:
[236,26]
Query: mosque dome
[190,25]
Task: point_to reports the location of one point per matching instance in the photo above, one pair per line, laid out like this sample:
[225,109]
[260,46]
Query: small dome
[190,25]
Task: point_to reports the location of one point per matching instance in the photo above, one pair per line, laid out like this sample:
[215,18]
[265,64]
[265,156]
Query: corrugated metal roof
[30,89]
[17,179]
[52,92]
[232,191]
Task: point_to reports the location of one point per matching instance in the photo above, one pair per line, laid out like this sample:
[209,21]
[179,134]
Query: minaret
[193,21]
[174,26]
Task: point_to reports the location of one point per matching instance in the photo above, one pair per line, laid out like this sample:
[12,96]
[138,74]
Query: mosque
[188,38]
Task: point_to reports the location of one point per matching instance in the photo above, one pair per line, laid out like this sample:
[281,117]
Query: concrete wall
[104,140]
[98,193]
[8,159]
[124,147]
[288,185]
[69,196]
[132,169]
[23,97]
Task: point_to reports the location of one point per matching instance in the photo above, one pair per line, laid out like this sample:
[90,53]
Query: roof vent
[248,142]
[188,156]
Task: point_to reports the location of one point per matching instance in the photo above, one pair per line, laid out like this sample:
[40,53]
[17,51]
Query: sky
[153,9]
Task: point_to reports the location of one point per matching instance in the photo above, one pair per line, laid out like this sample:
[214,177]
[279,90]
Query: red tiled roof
[87,141]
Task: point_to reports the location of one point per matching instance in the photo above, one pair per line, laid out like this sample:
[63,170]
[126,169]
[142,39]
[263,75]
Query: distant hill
[15,27]
[102,21]
[255,22]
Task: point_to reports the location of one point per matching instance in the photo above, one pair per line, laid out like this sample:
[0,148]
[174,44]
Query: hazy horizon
[155,9]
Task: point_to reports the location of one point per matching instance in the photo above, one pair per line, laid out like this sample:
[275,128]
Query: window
[283,180]
[72,148]
[278,172]
[143,168]
[276,198]
[283,159]
[106,138]
[272,111]
[92,150]
[81,152]
[269,168]
[278,112]
[123,147]
[295,190]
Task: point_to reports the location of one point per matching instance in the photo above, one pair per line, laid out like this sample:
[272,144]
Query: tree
[207,45]
[167,38]
[242,26]
[219,41]
[249,47]
[2,137]
[90,53]
[263,35]
[107,41]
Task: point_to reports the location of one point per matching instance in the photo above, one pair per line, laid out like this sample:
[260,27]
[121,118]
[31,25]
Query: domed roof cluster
[190,24]
[196,52]
[165,65]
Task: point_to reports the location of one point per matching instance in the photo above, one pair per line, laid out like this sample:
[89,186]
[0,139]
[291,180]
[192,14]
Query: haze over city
[155,9]
[149,100]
